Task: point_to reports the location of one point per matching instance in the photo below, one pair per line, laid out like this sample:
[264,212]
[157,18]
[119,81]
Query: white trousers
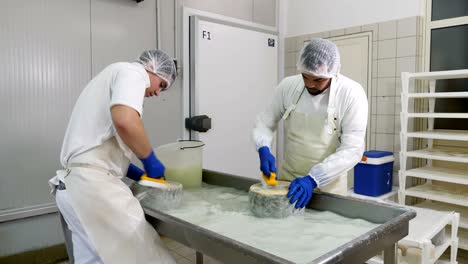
[83,250]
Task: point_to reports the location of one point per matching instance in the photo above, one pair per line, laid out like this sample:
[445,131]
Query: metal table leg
[199,257]
[390,254]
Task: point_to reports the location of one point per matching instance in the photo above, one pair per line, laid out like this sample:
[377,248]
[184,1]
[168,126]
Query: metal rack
[438,196]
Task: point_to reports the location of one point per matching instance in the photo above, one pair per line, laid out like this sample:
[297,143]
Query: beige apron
[112,218]
[309,139]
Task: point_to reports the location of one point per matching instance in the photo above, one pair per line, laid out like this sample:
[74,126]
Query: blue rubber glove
[301,190]
[134,172]
[267,161]
[153,167]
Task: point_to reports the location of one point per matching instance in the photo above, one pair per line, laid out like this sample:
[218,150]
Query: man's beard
[314,91]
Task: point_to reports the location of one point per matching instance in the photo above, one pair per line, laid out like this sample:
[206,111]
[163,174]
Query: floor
[182,254]
[185,255]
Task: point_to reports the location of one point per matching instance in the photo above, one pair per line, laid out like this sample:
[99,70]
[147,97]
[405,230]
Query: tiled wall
[396,48]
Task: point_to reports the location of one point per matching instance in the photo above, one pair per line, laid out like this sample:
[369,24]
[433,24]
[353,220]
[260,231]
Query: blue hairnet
[159,63]
[320,57]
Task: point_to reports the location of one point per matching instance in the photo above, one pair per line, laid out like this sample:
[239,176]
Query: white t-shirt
[90,123]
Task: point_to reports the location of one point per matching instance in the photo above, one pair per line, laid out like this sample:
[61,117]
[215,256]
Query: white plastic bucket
[183,161]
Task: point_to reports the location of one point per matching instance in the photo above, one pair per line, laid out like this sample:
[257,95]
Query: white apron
[112,218]
[309,139]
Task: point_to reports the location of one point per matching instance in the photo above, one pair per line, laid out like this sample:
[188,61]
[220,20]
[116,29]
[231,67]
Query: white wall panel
[45,55]
[121,30]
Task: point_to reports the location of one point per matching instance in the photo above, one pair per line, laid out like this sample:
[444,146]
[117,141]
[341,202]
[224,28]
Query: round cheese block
[270,201]
[166,196]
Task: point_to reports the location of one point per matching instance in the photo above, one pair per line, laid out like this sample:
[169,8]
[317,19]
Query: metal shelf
[438,115]
[436,75]
[463,211]
[438,193]
[440,134]
[439,95]
[440,174]
[439,154]
[442,198]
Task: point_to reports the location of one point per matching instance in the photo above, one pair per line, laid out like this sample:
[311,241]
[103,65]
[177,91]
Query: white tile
[406,64]
[387,49]
[290,44]
[396,144]
[374,28]
[374,105]
[177,256]
[397,126]
[325,34]
[300,42]
[398,86]
[397,105]
[353,30]
[385,105]
[290,60]
[386,68]
[407,27]
[395,182]
[315,35]
[385,124]
[373,123]
[375,67]
[384,142]
[289,72]
[184,261]
[386,86]
[173,245]
[338,32]
[373,138]
[375,50]
[214,261]
[396,163]
[374,87]
[307,37]
[387,30]
[406,47]
[185,251]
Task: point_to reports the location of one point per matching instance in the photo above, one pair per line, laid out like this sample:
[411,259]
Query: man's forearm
[131,130]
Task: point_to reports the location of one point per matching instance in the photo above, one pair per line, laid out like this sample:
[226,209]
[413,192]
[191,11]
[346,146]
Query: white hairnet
[320,57]
[159,63]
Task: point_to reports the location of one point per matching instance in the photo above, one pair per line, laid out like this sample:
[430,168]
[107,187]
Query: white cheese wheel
[270,201]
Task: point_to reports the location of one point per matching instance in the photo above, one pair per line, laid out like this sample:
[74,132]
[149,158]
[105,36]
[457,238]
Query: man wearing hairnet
[103,222]
[325,119]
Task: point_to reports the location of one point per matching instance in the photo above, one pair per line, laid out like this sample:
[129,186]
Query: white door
[355,52]
[234,72]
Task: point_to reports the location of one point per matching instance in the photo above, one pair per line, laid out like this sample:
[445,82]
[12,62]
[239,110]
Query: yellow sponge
[152,182]
[270,180]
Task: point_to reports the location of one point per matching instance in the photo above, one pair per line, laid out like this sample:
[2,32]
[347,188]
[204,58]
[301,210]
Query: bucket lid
[377,153]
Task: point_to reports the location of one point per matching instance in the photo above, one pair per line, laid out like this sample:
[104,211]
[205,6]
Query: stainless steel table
[394,222]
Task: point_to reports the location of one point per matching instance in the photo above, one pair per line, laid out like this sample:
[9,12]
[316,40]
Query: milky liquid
[189,177]
[299,238]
